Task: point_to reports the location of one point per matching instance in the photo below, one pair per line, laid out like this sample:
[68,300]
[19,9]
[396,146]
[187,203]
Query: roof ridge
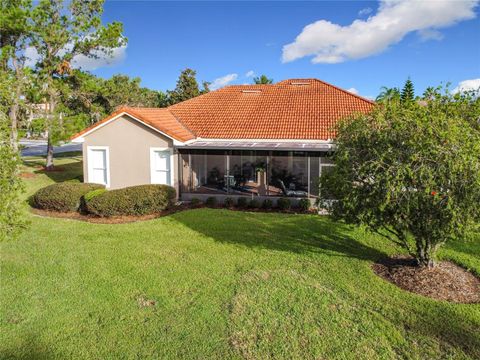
[346,91]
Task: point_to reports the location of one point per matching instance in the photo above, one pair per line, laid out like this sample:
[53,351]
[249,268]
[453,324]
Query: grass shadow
[68,171]
[295,233]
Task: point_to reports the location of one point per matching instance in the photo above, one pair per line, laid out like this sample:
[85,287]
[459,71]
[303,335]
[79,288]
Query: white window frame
[107,164]
[152,170]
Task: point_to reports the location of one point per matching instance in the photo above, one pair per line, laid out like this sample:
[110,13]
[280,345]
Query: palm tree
[388,94]
[263,79]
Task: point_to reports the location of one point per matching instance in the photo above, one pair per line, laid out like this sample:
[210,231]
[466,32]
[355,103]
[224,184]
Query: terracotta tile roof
[304,109]
[158,118]
[290,109]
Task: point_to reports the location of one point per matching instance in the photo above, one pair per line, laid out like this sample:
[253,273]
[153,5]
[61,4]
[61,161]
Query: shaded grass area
[225,284]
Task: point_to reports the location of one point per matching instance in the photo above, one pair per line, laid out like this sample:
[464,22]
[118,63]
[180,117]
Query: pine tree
[187,87]
[408,92]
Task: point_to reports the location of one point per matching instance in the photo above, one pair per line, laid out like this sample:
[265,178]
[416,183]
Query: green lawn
[226,284]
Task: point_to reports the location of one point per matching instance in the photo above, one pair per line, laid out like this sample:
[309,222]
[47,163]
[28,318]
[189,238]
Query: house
[240,140]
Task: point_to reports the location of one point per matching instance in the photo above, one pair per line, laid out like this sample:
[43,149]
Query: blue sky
[427,41]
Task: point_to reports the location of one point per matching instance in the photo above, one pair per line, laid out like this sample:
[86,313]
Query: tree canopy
[410,171]
[262,79]
[187,87]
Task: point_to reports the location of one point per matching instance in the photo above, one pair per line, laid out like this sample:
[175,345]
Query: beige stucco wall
[129,144]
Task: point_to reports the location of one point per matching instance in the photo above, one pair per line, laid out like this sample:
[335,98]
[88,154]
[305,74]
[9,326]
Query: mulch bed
[103,220]
[446,281]
[27,175]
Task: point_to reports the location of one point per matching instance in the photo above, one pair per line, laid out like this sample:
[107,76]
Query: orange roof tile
[158,118]
[305,109]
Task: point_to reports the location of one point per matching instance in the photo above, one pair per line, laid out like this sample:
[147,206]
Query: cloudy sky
[356,45]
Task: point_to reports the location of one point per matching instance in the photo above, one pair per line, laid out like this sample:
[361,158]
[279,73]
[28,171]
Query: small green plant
[254,204]
[304,205]
[211,202]
[242,202]
[195,202]
[267,204]
[229,202]
[284,204]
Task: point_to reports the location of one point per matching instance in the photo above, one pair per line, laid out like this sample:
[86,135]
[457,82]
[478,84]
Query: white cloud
[81,61]
[466,85]
[85,63]
[332,43]
[430,34]
[365,11]
[353,91]
[250,73]
[222,81]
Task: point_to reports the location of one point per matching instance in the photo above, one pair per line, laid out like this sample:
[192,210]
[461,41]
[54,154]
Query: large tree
[11,186]
[187,87]
[388,94]
[410,171]
[14,40]
[408,92]
[61,31]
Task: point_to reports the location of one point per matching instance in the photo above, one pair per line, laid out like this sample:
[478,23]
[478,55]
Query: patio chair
[292,193]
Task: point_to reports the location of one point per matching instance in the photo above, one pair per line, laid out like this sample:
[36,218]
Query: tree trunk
[49,164]
[425,253]
[13,115]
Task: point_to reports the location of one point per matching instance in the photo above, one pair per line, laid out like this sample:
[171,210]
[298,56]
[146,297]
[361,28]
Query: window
[160,166]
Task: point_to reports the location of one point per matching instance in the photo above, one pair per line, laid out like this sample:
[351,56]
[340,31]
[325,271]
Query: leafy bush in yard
[284,204]
[267,204]
[254,204]
[134,200]
[229,202]
[304,205]
[211,201]
[242,202]
[194,202]
[90,195]
[64,196]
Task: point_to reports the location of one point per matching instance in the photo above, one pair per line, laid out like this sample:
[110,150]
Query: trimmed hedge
[242,202]
[195,202]
[134,200]
[254,204]
[211,202]
[304,205]
[229,202]
[284,204]
[267,204]
[64,197]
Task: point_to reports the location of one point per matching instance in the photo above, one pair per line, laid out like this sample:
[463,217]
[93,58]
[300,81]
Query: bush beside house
[134,200]
[63,197]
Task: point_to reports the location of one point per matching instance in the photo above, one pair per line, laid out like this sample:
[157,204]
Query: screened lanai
[277,173]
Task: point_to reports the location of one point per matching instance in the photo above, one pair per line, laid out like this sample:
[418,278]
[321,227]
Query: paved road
[39,147]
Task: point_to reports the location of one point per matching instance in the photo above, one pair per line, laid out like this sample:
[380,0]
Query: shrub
[304,205]
[284,204]
[254,204]
[242,202]
[90,195]
[194,202]
[64,196]
[134,200]
[267,204]
[229,202]
[211,201]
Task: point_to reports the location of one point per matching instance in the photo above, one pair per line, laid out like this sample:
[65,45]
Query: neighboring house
[250,140]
